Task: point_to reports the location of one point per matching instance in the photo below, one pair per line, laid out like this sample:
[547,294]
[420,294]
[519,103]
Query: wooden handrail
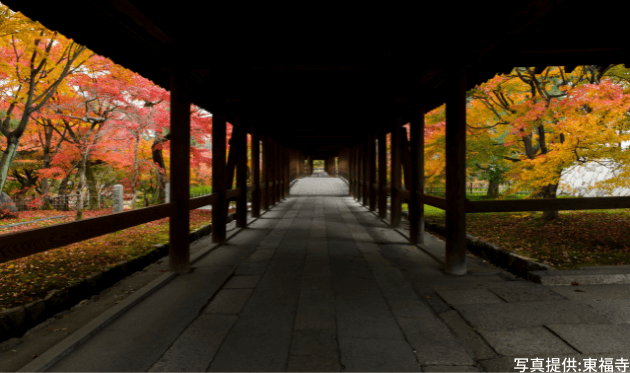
[231,193]
[403,193]
[197,202]
[592,203]
[434,201]
[20,244]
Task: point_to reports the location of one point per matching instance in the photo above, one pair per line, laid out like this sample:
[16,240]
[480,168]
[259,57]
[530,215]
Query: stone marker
[167,191]
[118,198]
[6,203]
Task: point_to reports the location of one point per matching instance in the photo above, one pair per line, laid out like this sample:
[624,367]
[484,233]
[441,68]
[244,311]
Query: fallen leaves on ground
[29,279]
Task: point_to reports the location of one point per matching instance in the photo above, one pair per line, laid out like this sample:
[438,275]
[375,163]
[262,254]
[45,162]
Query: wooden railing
[20,244]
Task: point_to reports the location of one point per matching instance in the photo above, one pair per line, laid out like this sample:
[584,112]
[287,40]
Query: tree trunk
[493,190]
[80,187]
[92,187]
[7,159]
[549,191]
[134,178]
[156,153]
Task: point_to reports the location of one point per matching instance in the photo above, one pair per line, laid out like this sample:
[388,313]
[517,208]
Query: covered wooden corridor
[323,84]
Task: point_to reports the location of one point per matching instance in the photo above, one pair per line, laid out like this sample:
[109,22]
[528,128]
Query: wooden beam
[382,173]
[179,220]
[219,180]
[396,207]
[241,175]
[456,173]
[256,172]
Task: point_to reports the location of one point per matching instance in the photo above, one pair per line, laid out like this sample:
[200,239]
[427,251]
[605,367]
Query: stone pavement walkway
[321,284]
[320,185]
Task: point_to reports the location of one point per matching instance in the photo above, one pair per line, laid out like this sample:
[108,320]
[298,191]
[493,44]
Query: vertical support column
[241,176]
[364,171]
[372,171]
[310,165]
[219,168]
[350,175]
[416,202]
[456,174]
[395,176]
[359,173]
[256,173]
[382,174]
[276,172]
[266,197]
[179,220]
[357,167]
[272,172]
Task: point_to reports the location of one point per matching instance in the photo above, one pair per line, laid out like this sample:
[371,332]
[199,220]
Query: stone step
[584,276]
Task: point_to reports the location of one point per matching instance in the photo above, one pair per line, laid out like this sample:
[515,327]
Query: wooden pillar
[357,167]
[219,168]
[276,172]
[371,171]
[179,254]
[395,176]
[364,157]
[416,202]
[266,196]
[241,176]
[256,173]
[272,172]
[382,174]
[456,173]
[350,175]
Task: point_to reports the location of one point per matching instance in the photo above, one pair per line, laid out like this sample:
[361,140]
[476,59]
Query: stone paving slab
[313,364]
[315,342]
[242,282]
[595,339]
[377,355]
[593,292]
[531,341]
[615,310]
[228,301]
[525,293]
[469,337]
[195,348]
[506,316]
[472,296]
[433,343]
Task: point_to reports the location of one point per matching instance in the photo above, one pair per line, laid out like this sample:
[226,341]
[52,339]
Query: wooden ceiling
[318,75]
